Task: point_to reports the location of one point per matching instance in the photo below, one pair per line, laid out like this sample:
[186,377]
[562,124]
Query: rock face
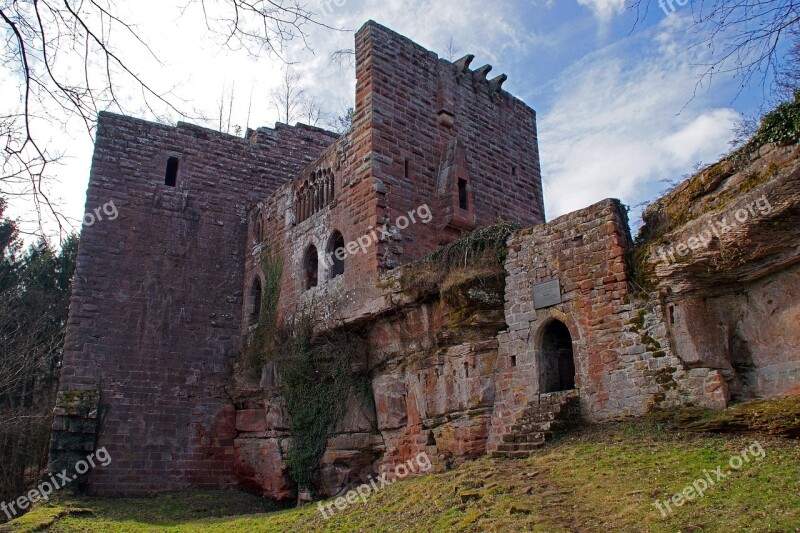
[729,275]
[432,391]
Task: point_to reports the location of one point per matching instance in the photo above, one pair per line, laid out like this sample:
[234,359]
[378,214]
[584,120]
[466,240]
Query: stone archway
[557,359]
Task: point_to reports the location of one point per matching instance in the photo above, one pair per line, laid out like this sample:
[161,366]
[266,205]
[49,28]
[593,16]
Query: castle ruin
[165,297]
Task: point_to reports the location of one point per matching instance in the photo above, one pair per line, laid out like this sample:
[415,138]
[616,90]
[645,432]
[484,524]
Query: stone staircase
[553,411]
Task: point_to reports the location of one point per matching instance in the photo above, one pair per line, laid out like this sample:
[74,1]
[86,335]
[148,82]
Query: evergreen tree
[35,286]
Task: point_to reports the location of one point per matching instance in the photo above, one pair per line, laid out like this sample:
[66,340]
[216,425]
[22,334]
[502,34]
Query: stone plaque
[546,294]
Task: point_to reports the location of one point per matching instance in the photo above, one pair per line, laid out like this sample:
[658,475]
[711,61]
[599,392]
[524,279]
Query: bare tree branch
[70,58]
[288,97]
[743,36]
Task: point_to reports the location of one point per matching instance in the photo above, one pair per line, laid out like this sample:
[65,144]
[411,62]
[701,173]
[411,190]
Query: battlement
[428,134]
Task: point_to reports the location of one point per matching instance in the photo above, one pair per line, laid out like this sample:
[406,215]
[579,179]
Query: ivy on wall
[318,373]
[260,346]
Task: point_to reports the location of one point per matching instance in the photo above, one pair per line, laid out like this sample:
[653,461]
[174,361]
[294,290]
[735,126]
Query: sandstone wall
[751,335]
[453,372]
[421,125]
[155,313]
[624,363]
[431,365]
[435,122]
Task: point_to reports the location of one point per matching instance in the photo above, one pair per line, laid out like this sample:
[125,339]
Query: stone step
[522,437]
[512,455]
[540,416]
[553,412]
[549,403]
[520,446]
[553,405]
[533,436]
[536,427]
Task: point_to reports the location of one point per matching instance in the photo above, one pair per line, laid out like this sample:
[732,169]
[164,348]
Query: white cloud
[610,127]
[196,68]
[620,124]
[604,9]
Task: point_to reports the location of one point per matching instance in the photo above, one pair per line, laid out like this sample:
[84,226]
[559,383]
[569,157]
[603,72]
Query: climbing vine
[260,346]
[318,373]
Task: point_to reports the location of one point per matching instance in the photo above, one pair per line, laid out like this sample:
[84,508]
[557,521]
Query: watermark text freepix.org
[362,244]
[714,229]
[700,485]
[57,481]
[328,7]
[421,463]
[108,209]
[668,6]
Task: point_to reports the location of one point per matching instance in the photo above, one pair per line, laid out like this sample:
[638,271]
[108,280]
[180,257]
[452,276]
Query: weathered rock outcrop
[431,365]
[726,266]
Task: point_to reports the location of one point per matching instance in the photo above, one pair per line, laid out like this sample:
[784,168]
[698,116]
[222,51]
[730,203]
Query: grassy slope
[601,478]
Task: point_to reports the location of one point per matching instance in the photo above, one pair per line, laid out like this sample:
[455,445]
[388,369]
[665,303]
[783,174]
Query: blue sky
[618,105]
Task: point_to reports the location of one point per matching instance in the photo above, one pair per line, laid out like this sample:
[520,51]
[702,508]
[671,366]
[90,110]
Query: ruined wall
[155,313]
[436,122]
[624,365]
[350,208]
[452,375]
[421,125]
[159,306]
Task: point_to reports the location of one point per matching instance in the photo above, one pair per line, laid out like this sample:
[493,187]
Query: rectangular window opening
[171,176]
[407,168]
[462,194]
[513,360]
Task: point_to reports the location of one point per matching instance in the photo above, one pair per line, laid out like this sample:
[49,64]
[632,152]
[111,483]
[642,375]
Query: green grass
[601,478]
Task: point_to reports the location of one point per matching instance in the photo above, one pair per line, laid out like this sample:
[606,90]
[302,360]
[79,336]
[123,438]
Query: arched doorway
[557,360]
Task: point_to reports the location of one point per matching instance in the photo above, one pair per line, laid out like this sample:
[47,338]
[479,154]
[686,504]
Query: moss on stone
[637,322]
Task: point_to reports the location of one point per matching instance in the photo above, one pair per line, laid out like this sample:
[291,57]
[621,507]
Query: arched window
[336,254]
[255,301]
[314,194]
[311,268]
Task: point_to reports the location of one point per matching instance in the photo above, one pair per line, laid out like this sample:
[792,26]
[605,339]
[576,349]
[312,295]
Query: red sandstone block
[251,420]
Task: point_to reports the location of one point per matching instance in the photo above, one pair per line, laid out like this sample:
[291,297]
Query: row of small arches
[314,194]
